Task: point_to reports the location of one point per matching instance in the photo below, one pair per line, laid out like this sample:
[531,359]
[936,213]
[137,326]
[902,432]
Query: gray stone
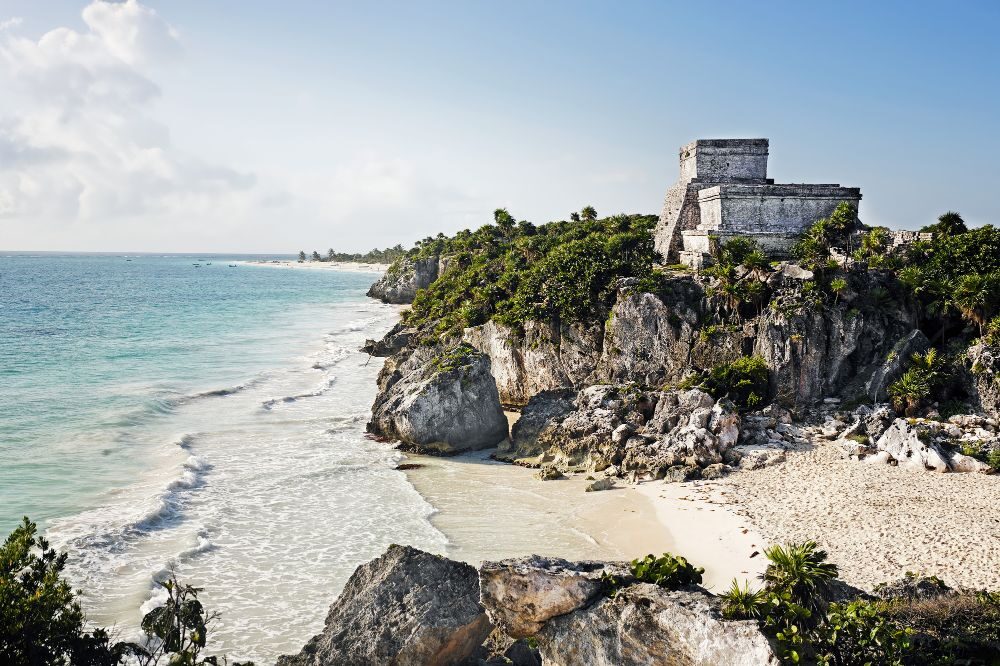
[756,456]
[448,404]
[607,483]
[911,447]
[405,276]
[405,608]
[648,625]
[723,191]
[895,363]
[716,471]
[521,594]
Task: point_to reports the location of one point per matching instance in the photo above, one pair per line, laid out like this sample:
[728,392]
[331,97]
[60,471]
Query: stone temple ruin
[723,191]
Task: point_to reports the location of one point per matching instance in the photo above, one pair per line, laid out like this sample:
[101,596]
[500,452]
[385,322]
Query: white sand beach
[348,266]
[876,521]
[491,510]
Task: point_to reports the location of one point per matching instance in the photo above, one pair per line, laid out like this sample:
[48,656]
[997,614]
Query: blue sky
[251,126]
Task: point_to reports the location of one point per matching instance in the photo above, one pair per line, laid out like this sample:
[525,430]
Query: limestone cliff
[658,339]
[405,276]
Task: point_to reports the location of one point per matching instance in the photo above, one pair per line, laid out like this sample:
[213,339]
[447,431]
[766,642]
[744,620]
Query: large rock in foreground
[564,606]
[447,404]
[406,608]
[405,276]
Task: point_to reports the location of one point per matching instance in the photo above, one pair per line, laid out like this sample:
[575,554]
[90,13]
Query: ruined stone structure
[723,191]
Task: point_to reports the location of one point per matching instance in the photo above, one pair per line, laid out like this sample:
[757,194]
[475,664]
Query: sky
[239,126]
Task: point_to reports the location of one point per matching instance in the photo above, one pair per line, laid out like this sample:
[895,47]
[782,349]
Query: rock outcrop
[658,339]
[405,608]
[875,435]
[563,606]
[440,403]
[984,370]
[633,431]
[405,276]
[542,357]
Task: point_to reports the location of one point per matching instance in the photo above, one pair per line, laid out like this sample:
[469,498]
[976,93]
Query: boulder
[983,377]
[405,608]
[756,456]
[398,337]
[405,276]
[523,593]
[446,405]
[648,625]
[607,483]
[911,446]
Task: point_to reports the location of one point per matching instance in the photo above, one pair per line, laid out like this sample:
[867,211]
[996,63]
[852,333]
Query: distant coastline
[349,266]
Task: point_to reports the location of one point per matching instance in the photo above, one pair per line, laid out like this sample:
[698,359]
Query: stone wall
[723,190]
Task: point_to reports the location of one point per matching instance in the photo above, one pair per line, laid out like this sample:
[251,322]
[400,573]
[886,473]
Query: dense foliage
[668,570]
[42,624]
[744,381]
[515,272]
[943,627]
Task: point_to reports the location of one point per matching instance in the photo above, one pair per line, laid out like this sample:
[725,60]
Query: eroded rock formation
[443,402]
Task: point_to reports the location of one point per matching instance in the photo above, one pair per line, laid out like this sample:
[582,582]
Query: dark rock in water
[406,608]
[447,405]
[405,276]
[405,466]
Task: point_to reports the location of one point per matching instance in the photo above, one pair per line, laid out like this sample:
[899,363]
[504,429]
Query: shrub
[668,571]
[924,376]
[744,381]
[41,623]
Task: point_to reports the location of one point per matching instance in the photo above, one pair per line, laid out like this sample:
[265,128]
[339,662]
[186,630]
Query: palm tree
[976,296]
[302,256]
[588,213]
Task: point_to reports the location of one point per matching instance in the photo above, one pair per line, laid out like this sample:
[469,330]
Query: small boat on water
[196,265]
[232,265]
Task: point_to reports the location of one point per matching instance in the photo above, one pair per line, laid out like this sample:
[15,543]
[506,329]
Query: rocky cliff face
[444,402]
[400,283]
[984,377]
[657,339]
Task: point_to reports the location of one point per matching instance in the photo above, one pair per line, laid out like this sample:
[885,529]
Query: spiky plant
[742,603]
[801,570]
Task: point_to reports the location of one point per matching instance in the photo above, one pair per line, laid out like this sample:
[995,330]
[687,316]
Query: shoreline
[344,266]
[488,510]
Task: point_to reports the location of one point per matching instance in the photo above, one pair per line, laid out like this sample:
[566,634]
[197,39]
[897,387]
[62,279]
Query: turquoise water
[155,415]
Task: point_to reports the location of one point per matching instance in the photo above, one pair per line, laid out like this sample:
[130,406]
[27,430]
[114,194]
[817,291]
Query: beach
[489,511]
[343,266]
[876,521]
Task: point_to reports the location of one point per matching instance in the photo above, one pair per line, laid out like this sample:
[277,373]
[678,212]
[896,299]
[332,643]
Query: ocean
[159,415]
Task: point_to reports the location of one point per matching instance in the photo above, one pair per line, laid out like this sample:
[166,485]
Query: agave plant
[742,603]
[801,570]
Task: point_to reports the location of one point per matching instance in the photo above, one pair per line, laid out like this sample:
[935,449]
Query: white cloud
[78,141]
[12,22]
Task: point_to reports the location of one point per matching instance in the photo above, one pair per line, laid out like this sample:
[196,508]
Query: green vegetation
[741,269]
[926,374]
[669,571]
[744,381]
[793,606]
[813,249]
[515,272]
[457,357]
[42,624]
[374,256]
